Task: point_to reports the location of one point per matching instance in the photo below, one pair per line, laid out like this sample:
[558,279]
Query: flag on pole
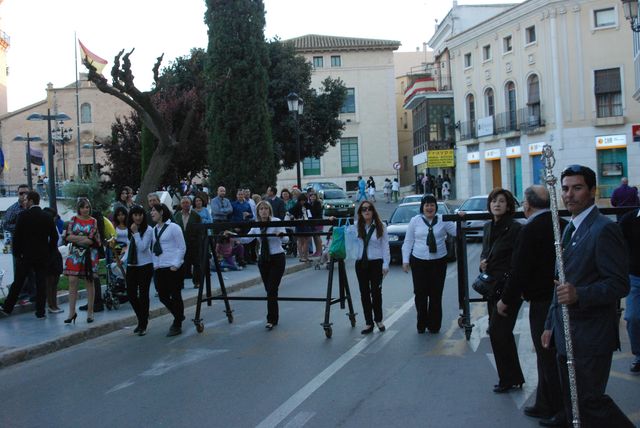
[1,159]
[92,58]
[36,157]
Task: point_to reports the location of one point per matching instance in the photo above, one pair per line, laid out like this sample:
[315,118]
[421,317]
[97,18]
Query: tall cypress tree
[240,143]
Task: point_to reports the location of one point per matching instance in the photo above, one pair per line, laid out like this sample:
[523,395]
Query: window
[608,92]
[604,17]
[349,155]
[486,52]
[467,60]
[318,62]
[530,34]
[507,46]
[533,99]
[405,120]
[336,61]
[349,105]
[471,109]
[311,166]
[85,113]
[510,95]
[490,104]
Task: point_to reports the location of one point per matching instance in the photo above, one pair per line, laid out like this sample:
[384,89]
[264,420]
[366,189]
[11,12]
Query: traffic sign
[396,166]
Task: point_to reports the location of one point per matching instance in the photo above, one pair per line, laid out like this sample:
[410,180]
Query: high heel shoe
[89,320]
[72,319]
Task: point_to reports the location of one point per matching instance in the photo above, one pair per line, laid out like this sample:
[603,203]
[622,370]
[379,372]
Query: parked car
[321,186]
[397,229]
[477,205]
[412,198]
[336,203]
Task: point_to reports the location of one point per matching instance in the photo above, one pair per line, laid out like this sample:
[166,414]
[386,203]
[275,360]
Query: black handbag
[486,285]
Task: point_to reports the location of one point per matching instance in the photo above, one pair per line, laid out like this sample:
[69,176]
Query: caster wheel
[328,332]
[199,327]
[461,322]
[230,318]
[353,321]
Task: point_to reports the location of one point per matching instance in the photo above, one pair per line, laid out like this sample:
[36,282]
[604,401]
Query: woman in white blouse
[271,258]
[168,248]
[139,266]
[425,251]
[372,264]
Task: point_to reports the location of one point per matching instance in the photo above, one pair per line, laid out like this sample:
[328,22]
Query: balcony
[526,120]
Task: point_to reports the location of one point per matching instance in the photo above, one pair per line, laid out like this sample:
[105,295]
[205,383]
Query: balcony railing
[526,120]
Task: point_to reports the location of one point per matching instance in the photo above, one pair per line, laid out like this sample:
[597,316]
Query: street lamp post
[296,107]
[93,146]
[28,140]
[63,136]
[630,8]
[52,176]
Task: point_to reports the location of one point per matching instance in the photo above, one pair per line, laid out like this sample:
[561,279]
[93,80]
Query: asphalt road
[241,375]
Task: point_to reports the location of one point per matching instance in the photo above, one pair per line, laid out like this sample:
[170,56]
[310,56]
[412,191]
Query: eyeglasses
[366,209]
[22,193]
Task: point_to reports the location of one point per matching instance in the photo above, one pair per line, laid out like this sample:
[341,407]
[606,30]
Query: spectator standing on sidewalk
[386,188]
[395,189]
[630,225]
[139,267]
[362,192]
[277,204]
[221,208]
[371,186]
[54,267]
[168,248]
[35,237]
[186,219]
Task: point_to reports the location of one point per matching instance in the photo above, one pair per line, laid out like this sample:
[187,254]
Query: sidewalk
[23,336]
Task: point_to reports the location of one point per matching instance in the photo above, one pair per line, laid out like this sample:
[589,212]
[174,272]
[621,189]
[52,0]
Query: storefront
[514,169]
[494,168]
[537,164]
[473,160]
[612,162]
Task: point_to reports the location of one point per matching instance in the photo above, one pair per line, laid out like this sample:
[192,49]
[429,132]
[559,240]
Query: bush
[100,196]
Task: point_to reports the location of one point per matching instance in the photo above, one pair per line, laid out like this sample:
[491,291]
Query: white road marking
[120,386]
[300,420]
[305,392]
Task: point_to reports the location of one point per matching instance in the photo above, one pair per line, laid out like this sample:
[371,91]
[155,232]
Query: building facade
[557,72]
[5,42]
[369,145]
[98,112]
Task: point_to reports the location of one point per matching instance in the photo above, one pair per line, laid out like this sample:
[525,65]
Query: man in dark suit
[186,218]
[277,204]
[34,240]
[596,278]
[532,277]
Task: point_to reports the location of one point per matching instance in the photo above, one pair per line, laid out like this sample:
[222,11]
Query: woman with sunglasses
[425,252]
[372,264]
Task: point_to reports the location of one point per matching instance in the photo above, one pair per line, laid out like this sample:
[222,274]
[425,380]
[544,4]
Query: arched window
[533,99]
[85,113]
[489,102]
[510,95]
[470,129]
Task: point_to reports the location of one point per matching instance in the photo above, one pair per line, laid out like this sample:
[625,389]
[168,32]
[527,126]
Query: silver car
[477,205]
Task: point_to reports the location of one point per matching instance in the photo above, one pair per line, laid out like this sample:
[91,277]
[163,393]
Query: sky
[43,42]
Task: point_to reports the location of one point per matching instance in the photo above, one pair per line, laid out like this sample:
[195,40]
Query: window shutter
[607,81]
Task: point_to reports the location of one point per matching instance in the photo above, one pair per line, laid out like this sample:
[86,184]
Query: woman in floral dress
[82,262]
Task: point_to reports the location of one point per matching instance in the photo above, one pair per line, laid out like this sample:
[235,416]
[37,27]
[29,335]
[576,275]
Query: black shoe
[83,307]
[174,330]
[421,330]
[367,330]
[142,332]
[501,389]
[269,326]
[381,326]
[137,329]
[537,412]
[434,331]
[635,368]
[41,316]
[556,421]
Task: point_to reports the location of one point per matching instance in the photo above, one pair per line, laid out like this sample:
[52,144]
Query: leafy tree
[240,142]
[320,126]
[123,152]
[147,146]
[93,189]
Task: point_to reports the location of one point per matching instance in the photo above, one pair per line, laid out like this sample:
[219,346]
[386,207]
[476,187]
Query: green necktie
[567,235]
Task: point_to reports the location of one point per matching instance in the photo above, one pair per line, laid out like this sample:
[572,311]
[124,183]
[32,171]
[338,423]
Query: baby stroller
[116,291]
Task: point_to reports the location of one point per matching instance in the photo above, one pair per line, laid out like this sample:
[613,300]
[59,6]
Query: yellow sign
[440,159]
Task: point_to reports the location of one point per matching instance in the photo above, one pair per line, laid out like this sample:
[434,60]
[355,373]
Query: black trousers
[504,346]
[271,273]
[168,285]
[428,284]
[597,409]
[22,271]
[370,282]
[548,395]
[138,283]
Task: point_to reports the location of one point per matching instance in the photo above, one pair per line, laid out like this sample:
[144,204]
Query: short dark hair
[302,197]
[162,208]
[427,199]
[511,201]
[119,210]
[33,196]
[274,189]
[23,186]
[137,209]
[534,200]
[586,172]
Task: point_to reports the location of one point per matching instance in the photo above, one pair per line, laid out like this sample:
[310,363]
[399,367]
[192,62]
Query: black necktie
[431,238]
[567,235]
[157,248]
[367,238]
[265,253]
[132,253]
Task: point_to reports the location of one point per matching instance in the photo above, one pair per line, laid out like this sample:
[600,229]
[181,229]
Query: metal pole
[52,175]
[64,162]
[75,43]
[298,150]
[29,180]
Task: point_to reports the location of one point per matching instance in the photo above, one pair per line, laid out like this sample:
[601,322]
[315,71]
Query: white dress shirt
[577,220]
[415,240]
[173,246]
[378,248]
[275,243]
[143,246]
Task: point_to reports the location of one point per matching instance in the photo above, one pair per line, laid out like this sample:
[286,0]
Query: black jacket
[35,237]
[278,207]
[534,262]
[502,237]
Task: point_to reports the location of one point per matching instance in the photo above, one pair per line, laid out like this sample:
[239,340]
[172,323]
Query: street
[240,375]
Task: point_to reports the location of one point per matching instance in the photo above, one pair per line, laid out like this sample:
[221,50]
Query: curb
[56,344]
